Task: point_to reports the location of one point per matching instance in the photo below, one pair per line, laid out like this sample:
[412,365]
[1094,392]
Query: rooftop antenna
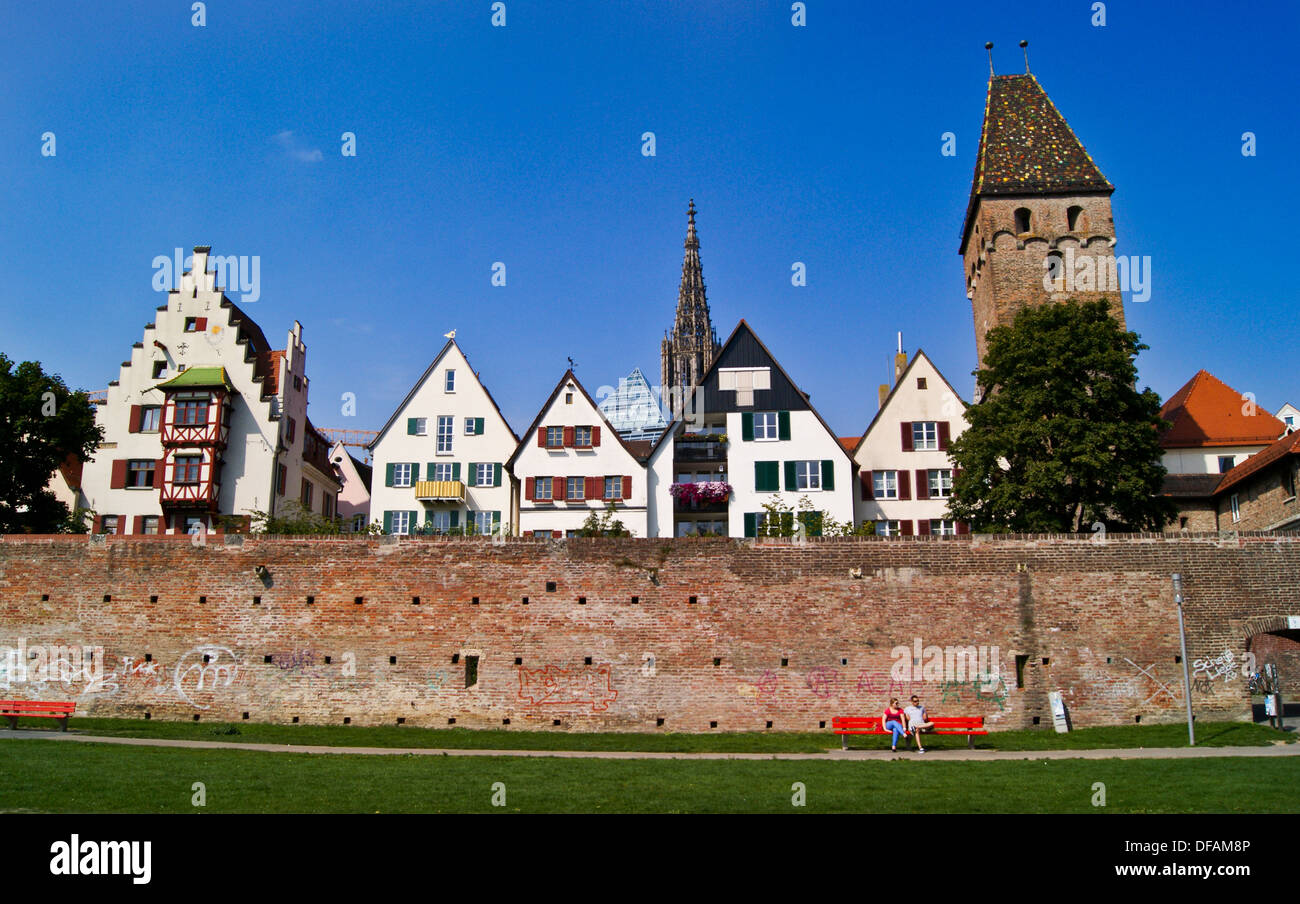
[571,364]
[900,342]
[989,47]
[1024,46]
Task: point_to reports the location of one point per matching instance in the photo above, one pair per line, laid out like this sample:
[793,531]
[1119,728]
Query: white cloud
[296,150]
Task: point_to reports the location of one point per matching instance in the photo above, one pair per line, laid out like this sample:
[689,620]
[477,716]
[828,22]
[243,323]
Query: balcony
[710,447]
[704,497]
[440,491]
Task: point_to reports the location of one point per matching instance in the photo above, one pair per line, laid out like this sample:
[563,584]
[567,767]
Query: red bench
[868,725]
[36,709]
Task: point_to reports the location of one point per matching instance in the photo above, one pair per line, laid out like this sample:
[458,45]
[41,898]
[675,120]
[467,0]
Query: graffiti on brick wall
[762,689]
[1155,686]
[437,680]
[822,682]
[207,668]
[136,674]
[589,685]
[1222,666]
[295,661]
[980,689]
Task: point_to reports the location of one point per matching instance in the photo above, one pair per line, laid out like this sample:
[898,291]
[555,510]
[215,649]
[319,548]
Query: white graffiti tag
[206,667]
[1223,665]
[1160,685]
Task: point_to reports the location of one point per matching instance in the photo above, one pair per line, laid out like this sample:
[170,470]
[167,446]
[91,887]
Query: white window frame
[940,483]
[884,484]
[808,476]
[402,473]
[421,426]
[613,488]
[888,528]
[1236,508]
[145,417]
[578,437]
[405,526]
[469,427]
[482,522]
[148,521]
[445,436]
[442,470]
[945,527]
[770,424]
[568,491]
[483,474]
[132,470]
[547,482]
[925,436]
[449,380]
[549,444]
[440,521]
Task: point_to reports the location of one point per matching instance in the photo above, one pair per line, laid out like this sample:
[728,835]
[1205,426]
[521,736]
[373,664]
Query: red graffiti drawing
[554,686]
[767,684]
[821,681]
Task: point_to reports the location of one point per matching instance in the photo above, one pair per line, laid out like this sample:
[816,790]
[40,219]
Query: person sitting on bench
[917,721]
[892,721]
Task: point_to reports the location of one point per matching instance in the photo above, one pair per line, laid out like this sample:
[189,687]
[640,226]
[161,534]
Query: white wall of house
[660,477]
[921,395]
[573,408]
[809,441]
[175,340]
[1205,459]
[1289,415]
[468,408]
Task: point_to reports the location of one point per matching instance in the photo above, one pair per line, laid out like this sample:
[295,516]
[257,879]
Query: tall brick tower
[1036,194]
[689,348]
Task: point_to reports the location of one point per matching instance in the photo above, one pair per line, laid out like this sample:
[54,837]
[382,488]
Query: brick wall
[1262,499]
[623,633]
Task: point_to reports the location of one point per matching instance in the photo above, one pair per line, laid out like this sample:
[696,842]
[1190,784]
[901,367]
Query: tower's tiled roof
[1208,412]
[1027,147]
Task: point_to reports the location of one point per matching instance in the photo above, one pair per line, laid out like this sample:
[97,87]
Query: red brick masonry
[620,634]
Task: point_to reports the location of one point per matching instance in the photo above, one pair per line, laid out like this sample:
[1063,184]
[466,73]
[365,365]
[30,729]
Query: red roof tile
[1208,412]
[268,366]
[849,443]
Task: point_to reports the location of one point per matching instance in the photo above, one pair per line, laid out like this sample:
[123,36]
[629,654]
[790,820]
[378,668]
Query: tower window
[1072,218]
[1022,219]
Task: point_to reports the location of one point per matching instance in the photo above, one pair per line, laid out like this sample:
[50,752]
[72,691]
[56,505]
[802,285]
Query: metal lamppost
[1182,642]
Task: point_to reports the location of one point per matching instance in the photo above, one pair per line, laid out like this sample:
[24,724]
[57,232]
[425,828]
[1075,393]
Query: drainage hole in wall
[550,586]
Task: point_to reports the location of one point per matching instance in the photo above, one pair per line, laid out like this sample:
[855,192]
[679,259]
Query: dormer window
[1022,220]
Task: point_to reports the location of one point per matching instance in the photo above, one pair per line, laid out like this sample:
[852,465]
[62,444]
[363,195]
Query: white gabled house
[439,461]
[571,462]
[748,428]
[206,423]
[905,475]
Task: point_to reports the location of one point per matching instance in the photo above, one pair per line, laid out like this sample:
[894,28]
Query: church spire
[692,344]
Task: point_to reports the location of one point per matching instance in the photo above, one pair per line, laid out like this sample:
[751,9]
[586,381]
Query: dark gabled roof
[420,382]
[639,449]
[920,353]
[1190,486]
[364,471]
[1027,147]
[1208,412]
[743,329]
[1287,445]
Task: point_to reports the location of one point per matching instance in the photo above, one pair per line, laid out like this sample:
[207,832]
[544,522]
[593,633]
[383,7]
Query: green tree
[606,525]
[292,519]
[42,422]
[1062,438]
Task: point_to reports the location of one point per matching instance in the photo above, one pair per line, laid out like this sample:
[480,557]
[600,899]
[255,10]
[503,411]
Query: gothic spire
[692,343]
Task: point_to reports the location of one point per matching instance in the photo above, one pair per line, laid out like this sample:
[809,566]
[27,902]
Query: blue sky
[522,145]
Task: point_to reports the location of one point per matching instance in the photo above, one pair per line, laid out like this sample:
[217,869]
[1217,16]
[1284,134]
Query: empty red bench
[868,725]
[36,709]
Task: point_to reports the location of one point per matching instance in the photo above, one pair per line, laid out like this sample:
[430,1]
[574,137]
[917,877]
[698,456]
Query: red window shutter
[98,526]
[943,436]
[962,528]
[907,436]
[133,424]
[117,479]
[923,527]
[568,437]
[557,488]
[595,435]
[201,324]
[137,525]
[158,472]
[594,489]
[541,437]
[904,484]
[557,534]
[905,527]
[922,484]
[868,486]
[530,489]
[627,487]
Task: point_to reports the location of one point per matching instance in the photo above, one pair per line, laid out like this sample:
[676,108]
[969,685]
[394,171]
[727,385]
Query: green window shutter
[413,520]
[410,426]
[388,519]
[478,426]
[496,477]
[791,479]
[388,480]
[473,470]
[428,517]
[455,471]
[751,524]
[783,424]
[415,473]
[766,477]
[430,472]
[747,426]
[455,517]
[496,520]
[828,474]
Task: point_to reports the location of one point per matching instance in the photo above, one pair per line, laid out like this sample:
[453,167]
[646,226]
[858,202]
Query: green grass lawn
[1210,734]
[42,776]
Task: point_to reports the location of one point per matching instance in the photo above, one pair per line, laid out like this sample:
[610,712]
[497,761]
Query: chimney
[900,361]
[884,394]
